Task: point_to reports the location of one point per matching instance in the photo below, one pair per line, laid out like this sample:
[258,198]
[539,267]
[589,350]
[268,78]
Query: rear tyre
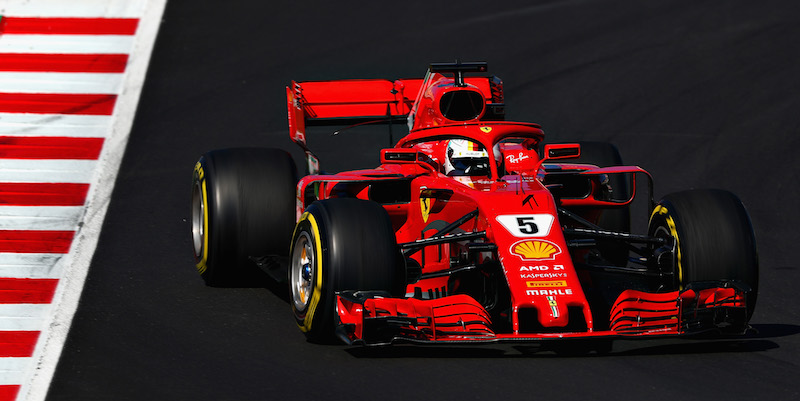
[243,207]
[714,239]
[340,244]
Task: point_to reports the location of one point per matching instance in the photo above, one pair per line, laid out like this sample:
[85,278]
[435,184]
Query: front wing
[371,319]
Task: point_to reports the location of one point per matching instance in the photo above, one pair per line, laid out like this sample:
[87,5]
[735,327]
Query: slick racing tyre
[340,244]
[714,239]
[243,206]
[604,154]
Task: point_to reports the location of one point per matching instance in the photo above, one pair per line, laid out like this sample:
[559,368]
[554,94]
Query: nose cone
[554,314]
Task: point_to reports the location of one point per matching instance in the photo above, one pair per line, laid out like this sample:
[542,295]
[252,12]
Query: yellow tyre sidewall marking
[662,211]
[202,265]
[317,293]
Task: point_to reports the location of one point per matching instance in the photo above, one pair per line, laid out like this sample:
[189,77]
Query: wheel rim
[661,232]
[198,221]
[303,270]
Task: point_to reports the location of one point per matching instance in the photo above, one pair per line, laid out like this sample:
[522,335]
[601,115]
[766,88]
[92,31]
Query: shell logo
[535,250]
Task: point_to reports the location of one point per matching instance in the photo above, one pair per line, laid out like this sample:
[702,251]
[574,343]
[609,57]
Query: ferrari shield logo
[486,129]
[425,206]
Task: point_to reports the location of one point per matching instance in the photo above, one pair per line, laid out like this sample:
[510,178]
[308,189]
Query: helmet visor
[470,166]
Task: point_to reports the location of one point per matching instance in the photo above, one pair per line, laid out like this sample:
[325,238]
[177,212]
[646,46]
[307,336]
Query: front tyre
[714,239]
[340,244]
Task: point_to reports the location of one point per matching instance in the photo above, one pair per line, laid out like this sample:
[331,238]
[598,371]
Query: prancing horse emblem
[425,206]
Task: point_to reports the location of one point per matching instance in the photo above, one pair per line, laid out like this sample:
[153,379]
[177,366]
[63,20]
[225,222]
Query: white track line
[29,265]
[82,126]
[74,8]
[66,44]
[13,370]
[57,218]
[24,170]
[24,317]
[58,82]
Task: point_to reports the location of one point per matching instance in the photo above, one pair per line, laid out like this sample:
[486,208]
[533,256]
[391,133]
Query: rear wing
[346,102]
[358,101]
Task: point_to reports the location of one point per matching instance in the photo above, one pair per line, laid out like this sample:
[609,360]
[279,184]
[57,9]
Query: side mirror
[561,151]
[408,156]
[398,156]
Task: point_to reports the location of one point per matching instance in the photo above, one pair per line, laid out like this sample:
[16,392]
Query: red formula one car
[466,232]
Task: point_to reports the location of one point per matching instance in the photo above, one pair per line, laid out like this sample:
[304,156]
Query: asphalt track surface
[700,93]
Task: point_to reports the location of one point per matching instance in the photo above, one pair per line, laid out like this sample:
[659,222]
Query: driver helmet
[466,158]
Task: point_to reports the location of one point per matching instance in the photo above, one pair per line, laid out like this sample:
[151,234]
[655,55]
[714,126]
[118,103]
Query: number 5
[527,225]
